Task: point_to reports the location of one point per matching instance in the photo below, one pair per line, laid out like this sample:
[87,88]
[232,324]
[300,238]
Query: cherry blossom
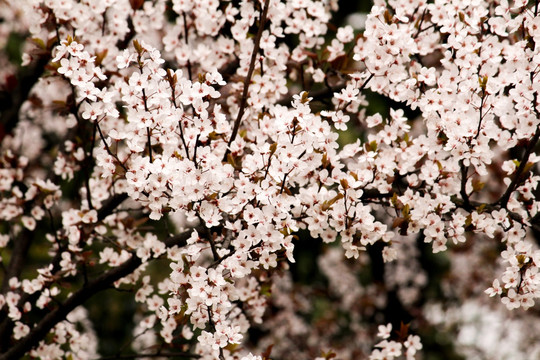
[224,164]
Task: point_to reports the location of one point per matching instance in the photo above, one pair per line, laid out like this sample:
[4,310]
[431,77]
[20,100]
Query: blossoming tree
[190,152]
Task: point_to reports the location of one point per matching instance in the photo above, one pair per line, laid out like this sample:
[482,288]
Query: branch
[57,315]
[11,103]
[108,148]
[182,355]
[15,266]
[323,93]
[420,24]
[88,166]
[247,80]
[187,43]
[463,187]
[21,245]
[503,201]
[101,283]
[124,43]
[110,205]
[316,95]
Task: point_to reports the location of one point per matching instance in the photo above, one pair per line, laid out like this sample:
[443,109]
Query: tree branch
[101,283]
[503,201]
[247,80]
[110,205]
[181,355]
[18,255]
[27,77]
[59,314]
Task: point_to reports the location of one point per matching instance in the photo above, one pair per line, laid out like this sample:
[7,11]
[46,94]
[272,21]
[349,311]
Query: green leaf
[138,47]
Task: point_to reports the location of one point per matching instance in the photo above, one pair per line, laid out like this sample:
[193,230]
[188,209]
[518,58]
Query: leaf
[406,210]
[398,221]
[273,149]
[138,47]
[40,43]
[51,42]
[528,167]
[327,204]
[324,160]
[403,332]
[403,228]
[372,146]
[406,138]
[328,355]
[396,202]
[136,4]
[266,289]
[305,97]
[340,62]
[387,17]
[100,56]
[230,160]
[482,81]
[478,185]
[266,354]
[468,221]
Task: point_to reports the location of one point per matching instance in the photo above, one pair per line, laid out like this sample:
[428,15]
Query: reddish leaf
[136,4]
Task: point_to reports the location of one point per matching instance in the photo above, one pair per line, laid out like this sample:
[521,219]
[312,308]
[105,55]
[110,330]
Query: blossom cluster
[185,150]
[391,349]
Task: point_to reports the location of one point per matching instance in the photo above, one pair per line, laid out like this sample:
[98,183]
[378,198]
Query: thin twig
[149,140]
[88,166]
[187,43]
[503,201]
[247,80]
[184,355]
[420,24]
[109,149]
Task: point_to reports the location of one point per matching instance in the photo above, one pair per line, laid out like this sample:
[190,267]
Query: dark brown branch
[124,43]
[6,324]
[187,43]
[57,315]
[181,239]
[88,166]
[11,101]
[148,136]
[18,255]
[420,24]
[21,245]
[247,80]
[463,187]
[110,205]
[503,201]
[181,355]
[213,247]
[101,283]
[324,93]
[149,140]
[316,95]
[182,138]
[108,148]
